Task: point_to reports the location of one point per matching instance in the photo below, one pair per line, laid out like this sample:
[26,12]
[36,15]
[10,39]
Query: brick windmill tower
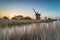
[37,15]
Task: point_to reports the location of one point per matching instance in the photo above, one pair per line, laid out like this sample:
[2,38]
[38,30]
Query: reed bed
[5,23]
[35,31]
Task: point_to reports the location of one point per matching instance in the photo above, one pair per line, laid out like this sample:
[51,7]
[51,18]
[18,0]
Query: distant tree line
[18,17]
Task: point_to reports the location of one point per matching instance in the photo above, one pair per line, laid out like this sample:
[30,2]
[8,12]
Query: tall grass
[6,23]
[35,31]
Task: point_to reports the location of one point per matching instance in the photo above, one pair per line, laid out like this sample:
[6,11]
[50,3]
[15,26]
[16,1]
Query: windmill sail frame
[37,15]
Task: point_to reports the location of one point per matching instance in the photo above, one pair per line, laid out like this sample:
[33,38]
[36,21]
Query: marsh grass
[35,31]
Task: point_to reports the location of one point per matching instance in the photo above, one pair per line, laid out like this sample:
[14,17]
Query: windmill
[37,15]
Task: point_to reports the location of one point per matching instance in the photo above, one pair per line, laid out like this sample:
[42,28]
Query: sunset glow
[46,8]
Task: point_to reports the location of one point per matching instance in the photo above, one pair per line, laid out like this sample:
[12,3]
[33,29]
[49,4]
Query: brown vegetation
[18,17]
[5,18]
[38,31]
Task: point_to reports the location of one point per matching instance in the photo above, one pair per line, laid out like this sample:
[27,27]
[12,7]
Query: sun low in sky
[25,7]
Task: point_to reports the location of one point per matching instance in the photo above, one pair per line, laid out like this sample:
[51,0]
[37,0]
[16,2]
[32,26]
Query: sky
[49,8]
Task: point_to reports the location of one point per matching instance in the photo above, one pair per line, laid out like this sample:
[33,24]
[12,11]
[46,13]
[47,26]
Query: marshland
[31,31]
[29,20]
